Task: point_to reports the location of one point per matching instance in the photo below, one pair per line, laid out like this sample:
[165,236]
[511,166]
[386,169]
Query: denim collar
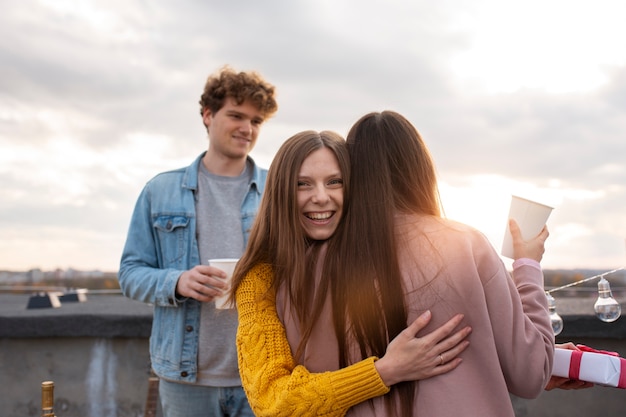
[190,178]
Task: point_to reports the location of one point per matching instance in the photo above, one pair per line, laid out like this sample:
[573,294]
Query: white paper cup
[227,265]
[530,216]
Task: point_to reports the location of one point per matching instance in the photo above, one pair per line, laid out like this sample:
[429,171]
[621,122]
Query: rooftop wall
[96,352]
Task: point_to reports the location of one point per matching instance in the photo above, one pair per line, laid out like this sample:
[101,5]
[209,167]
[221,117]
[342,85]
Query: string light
[555,319]
[606,307]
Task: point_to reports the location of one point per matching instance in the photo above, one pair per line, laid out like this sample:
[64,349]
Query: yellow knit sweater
[275,385]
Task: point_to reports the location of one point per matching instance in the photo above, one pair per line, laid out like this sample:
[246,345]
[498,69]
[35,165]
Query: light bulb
[555,319]
[607,309]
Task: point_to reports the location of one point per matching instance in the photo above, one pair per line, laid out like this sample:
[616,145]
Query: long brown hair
[391,171]
[277,236]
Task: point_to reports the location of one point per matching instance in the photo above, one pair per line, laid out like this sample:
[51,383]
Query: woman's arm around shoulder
[274,384]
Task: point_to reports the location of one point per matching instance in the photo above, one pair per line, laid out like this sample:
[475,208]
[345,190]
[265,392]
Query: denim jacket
[160,246]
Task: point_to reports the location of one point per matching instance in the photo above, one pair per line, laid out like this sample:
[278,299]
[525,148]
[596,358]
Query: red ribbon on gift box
[590,349]
[574,365]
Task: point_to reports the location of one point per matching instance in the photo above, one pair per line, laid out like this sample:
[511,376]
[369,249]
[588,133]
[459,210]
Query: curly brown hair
[241,86]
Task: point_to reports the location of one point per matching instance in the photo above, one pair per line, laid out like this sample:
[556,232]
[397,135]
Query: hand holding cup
[531,218]
[228,266]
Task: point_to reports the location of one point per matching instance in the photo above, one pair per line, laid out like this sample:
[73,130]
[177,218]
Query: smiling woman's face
[320,194]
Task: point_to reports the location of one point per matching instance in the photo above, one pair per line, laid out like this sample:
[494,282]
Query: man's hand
[202,283]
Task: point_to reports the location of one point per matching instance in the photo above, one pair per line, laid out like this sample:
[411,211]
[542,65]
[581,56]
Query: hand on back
[410,358]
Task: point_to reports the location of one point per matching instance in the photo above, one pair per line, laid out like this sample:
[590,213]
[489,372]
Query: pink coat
[452,268]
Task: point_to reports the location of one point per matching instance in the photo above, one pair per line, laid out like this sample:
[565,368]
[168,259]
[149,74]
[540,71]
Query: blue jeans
[184,400]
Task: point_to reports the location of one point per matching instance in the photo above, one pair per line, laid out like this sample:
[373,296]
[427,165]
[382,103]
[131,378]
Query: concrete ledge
[97,353]
[101,316]
[589,326]
[110,316]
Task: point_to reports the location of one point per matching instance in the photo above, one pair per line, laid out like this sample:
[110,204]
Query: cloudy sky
[525,98]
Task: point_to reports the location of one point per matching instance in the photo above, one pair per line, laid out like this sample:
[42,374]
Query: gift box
[591,365]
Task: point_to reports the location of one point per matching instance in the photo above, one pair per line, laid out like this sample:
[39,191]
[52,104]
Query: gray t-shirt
[220,235]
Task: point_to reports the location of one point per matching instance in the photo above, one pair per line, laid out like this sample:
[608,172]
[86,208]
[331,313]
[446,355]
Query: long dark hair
[391,171]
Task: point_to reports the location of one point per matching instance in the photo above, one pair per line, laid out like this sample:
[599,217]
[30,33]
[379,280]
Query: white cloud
[555,46]
[99,96]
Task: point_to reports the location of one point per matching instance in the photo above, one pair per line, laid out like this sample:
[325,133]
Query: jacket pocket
[173,236]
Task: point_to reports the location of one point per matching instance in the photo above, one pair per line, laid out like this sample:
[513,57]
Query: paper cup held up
[530,216]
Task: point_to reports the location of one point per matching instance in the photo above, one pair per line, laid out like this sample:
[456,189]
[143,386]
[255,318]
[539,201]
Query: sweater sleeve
[274,384]
[522,328]
[529,283]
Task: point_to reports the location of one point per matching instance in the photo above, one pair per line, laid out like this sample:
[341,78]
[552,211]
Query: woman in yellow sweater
[302,206]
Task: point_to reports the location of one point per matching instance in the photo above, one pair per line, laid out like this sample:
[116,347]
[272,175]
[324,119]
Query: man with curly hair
[181,219]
